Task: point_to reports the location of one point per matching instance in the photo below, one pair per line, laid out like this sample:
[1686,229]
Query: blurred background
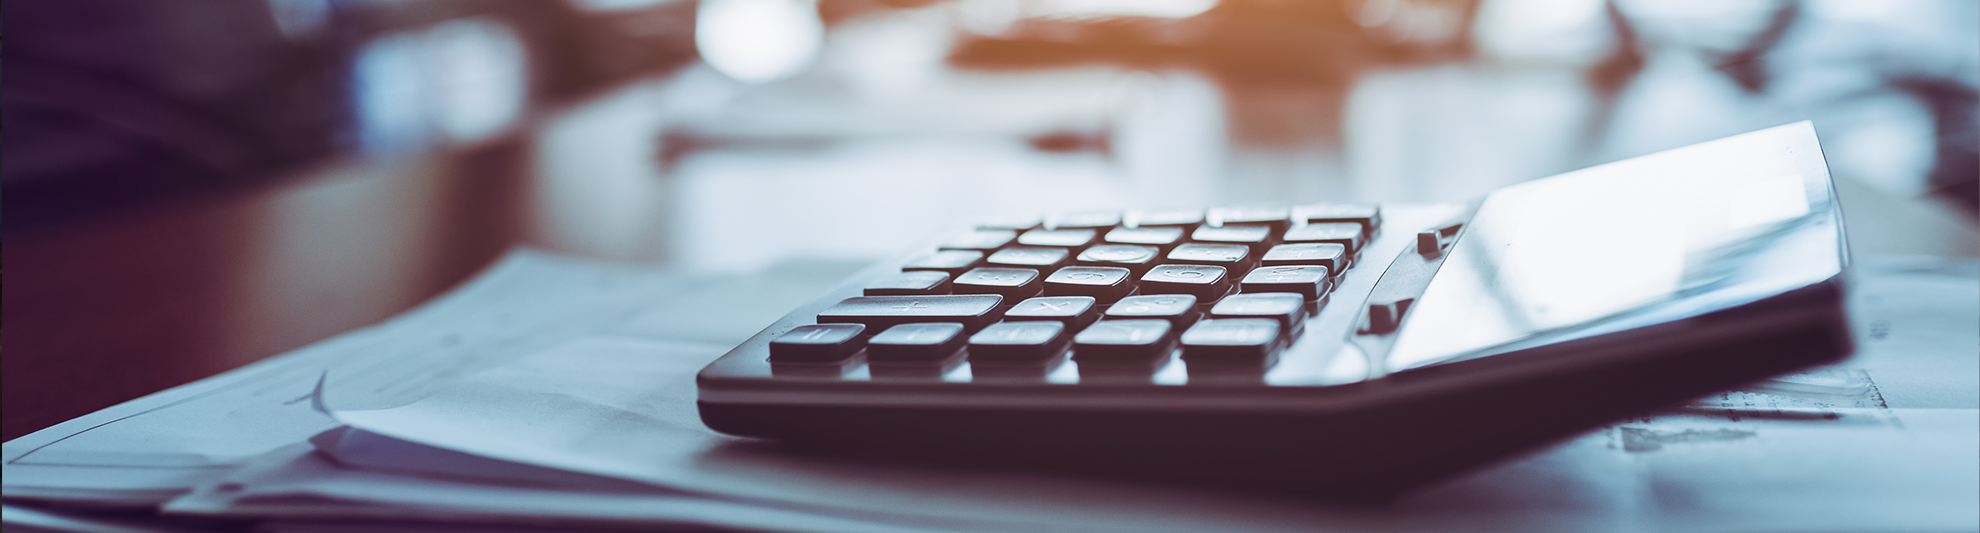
[191,186]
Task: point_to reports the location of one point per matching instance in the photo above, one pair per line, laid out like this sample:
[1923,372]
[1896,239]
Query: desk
[1898,457]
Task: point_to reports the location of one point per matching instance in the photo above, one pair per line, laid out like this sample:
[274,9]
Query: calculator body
[1454,336]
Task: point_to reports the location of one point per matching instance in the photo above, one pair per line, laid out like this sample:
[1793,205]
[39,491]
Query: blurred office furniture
[113,103]
[193,186]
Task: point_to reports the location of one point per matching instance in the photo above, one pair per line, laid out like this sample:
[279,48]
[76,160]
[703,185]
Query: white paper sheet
[296,483]
[383,481]
[146,450]
[622,407]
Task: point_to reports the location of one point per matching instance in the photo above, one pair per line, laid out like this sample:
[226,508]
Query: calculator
[1330,348]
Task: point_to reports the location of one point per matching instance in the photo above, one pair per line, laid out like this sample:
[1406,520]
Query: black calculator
[1329,348]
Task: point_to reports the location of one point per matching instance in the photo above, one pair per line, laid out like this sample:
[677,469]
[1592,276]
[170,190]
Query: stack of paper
[558,394]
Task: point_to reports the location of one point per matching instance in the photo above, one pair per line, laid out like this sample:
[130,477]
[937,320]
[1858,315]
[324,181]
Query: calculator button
[913,282]
[1428,243]
[1184,219]
[1096,220]
[1341,233]
[1207,283]
[927,341]
[980,240]
[1073,311]
[1105,284]
[1231,341]
[1014,224]
[1385,316]
[1278,218]
[878,312]
[1132,257]
[952,261]
[1256,237]
[1038,257]
[1369,216]
[1233,257]
[1330,255]
[818,343]
[1310,281]
[1162,238]
[1433,241]
[1012,283]
[1178,309]
[1018,342]
[1074,239]
[1288,309]
[1124,341]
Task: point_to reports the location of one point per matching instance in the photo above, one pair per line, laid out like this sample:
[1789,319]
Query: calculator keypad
[1226,288]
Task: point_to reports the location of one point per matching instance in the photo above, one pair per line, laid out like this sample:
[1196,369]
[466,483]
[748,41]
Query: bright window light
[755,41]
[1135,8]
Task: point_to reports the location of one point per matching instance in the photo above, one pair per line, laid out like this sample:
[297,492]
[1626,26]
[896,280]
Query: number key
[1310,281]
[1235,258]
[1207,283]
[1342,233]
[1178,309]
[923,342]
[1124,341]
[1012,283]
[1288,309]
[1330,255]
[1073,311]
[1018,343]
[1105,284]
[1226,342]
[818,343]
[913,282]
[1037,257]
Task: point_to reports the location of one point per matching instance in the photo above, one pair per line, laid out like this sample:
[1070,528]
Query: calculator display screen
[1628,244]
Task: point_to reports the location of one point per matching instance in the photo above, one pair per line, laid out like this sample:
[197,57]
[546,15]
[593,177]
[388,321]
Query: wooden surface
[107,309]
